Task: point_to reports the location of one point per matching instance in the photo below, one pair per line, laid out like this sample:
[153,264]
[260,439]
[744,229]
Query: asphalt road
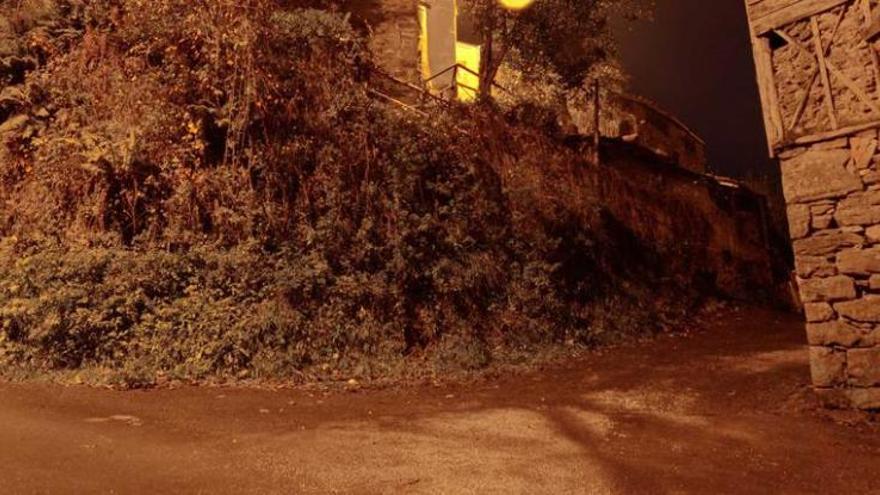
[724,410]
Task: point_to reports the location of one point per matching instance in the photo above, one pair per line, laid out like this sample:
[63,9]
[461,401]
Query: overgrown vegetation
[205,190]
[560,41]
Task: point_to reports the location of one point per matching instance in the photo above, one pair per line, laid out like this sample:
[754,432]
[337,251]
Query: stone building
[819,75]
[638,120]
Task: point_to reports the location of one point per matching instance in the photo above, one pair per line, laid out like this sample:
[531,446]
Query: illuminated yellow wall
[425,62]
[467,81]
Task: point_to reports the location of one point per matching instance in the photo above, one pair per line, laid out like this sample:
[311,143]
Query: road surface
[725,410]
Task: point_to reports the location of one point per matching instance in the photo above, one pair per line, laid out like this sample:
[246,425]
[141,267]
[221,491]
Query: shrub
[204,189]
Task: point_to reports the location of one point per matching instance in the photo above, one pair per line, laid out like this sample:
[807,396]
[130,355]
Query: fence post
[597,133]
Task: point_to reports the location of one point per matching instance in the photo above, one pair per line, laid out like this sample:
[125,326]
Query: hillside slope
[207,191]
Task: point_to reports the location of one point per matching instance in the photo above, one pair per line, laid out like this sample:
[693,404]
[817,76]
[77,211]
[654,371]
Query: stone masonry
[834,212]
[819,76]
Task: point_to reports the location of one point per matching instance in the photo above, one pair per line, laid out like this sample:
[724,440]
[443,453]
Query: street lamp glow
[516,4]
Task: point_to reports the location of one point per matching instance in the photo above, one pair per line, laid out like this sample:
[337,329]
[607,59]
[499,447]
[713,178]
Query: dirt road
[722,411]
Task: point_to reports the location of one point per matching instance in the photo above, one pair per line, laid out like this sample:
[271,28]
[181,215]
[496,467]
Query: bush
[204,189]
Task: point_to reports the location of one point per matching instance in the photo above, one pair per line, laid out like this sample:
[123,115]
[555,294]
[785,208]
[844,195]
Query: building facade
[818,72]
[449,50]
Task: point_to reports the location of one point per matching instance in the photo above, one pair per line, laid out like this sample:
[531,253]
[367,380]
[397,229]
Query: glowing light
[516,4]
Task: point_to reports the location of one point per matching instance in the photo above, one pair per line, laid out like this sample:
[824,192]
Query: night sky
[694,59]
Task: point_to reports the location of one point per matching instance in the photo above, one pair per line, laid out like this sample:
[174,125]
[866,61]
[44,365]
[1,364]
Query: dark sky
[694,59]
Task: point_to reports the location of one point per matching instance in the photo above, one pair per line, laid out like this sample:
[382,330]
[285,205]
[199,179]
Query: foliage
[186,316]
[205,189]
[567,38]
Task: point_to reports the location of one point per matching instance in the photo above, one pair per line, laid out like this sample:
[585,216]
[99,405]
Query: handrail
[455,67]
[410,85]
[407,106]
[452,67]
[397,102]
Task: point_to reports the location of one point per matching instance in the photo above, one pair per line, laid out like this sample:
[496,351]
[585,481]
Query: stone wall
[712,234]
[639,120]
[833,190]
[657,130]
[819,78]
[393,27]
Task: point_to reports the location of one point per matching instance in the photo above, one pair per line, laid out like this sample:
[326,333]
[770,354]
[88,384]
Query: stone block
[870,177]
[862,150]
[863,367]
[865,398]
[866,309]
[873,233]
[874,283]
[822,222]
[827,243]
[822,207]
[799,221]
[815,266]
[818,312]
[870,338]
[827,366]
[859,261]
[818,174]
[831,333]
[838,288]
[859,209]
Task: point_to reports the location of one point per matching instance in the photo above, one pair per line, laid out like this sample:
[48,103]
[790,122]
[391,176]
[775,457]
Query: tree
[567,37]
